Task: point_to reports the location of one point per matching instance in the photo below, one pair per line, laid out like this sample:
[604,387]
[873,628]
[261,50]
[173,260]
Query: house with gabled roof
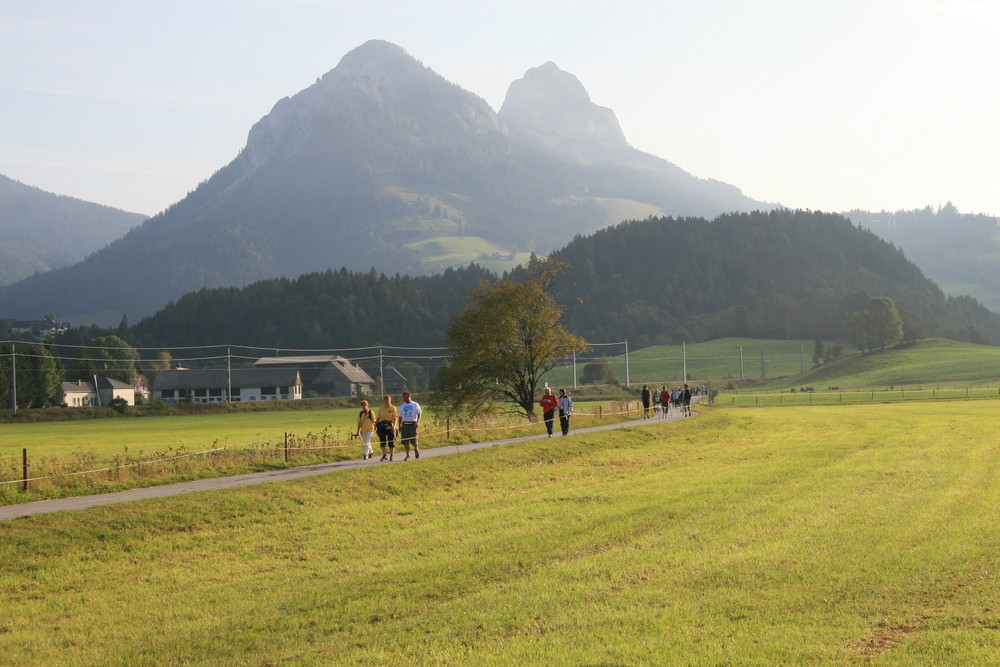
[214,385]
[331,375]
[82,394]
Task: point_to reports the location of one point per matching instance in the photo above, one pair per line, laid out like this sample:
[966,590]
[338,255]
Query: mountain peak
[376,54]
[550,106]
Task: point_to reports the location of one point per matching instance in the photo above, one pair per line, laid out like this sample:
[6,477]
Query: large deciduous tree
[507,338]
[109,356]
[877,326]
[34,374]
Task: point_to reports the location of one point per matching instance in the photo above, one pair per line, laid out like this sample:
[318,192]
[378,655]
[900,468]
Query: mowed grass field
[158,434]
[241,430]
[807,535]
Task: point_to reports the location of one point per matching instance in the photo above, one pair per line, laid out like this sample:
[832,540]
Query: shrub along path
[83,502]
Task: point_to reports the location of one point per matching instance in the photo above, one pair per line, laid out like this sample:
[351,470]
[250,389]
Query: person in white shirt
[409,418]
[565,410]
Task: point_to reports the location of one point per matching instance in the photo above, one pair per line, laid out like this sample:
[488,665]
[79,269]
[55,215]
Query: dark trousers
[564,422]
[550,417]
[386,436]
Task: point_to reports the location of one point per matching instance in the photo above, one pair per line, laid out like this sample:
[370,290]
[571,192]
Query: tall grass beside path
[815,535]
[80,458]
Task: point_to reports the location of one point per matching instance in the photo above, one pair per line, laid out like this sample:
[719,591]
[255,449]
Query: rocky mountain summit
[551,109]
[384,164]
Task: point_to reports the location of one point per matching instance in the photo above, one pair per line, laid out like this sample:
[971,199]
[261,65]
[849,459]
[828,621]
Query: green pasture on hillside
[808,535]
[444,251]
[718,359]
[931,363]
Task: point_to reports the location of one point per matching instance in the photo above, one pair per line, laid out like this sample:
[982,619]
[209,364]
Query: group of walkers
[663,399]
[563,403]
[392,423]
[389,424]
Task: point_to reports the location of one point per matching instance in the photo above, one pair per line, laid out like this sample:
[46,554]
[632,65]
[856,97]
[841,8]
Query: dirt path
[83,502]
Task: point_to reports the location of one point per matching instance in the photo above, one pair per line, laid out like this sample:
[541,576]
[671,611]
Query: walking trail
[83,502]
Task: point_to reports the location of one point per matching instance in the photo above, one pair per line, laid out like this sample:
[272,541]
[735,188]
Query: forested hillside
[960,252]
[779,274]
[317,310]
[41,231]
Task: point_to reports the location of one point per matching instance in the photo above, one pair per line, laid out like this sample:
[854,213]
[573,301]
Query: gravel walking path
[83,502]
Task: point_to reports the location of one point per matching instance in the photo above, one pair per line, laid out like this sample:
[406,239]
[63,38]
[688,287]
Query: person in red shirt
[548,403]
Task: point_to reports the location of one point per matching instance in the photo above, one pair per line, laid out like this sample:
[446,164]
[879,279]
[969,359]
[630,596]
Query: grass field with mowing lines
[808,535]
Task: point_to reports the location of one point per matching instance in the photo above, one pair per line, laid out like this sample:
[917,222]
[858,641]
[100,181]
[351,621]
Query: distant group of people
[661,401]
[392,423]
[389,424]
[401,423]
[563,403]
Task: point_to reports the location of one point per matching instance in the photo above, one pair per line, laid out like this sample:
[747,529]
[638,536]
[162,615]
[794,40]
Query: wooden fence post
[24,467]
[286,447]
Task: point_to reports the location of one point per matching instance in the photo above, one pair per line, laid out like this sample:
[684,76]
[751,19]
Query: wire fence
[616,363]
[77,473]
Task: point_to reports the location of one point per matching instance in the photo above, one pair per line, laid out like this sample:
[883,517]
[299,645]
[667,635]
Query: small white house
[214,385]
[77,394]
[82,394]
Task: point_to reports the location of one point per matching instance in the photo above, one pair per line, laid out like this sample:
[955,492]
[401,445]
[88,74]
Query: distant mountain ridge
[380,154]
[41,231]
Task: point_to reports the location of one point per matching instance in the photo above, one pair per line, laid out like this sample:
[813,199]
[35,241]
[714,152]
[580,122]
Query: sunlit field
[92,456]
[860,534]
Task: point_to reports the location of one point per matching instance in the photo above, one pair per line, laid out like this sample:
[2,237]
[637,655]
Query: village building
[42,328]
[215,385]
[393,382]
[325,375]
[82,394]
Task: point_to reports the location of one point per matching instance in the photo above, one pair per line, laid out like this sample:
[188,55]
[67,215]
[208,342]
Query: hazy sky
[830,105]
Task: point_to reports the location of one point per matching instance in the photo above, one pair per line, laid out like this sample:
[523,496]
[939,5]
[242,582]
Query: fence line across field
[286,447]
[679,366]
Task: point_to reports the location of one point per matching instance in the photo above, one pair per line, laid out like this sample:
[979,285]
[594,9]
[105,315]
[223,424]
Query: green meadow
[808,535]
[778,365]
[932,362]
[69,458]
[714,360]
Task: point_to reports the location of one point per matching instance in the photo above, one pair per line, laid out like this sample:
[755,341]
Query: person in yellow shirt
[385,426]
[366,427]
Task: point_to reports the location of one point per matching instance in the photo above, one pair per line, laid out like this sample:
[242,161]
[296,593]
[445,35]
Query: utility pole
[381,373]
[574,370]
[626,365]
[13,375]
[684,356]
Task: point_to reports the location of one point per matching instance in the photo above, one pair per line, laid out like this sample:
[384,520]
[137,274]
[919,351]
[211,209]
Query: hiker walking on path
[686,400]
[646,396]
[386,427]
[565,410]
[366,427]
[409,418]
[549,404]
